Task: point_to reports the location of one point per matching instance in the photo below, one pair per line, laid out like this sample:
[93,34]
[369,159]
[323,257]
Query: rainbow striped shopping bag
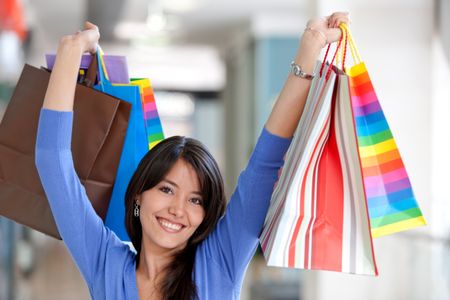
[391,201]
[151,117]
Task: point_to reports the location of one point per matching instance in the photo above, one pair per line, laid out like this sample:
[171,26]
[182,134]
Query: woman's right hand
[87,38]
[61,87]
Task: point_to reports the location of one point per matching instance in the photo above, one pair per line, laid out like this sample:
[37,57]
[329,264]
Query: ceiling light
[156,22]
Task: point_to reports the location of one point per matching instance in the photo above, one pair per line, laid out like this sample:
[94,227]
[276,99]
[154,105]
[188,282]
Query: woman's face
[171,211]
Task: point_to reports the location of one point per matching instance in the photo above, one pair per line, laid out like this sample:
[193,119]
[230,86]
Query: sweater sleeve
[80,227]
[234,241]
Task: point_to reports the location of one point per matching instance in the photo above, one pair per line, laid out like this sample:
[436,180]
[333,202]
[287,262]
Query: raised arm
[235,239]
[82,230]
[288,108]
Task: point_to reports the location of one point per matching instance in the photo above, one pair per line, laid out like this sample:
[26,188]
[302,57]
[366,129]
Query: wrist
[314,39]
[72,43]
[310,47]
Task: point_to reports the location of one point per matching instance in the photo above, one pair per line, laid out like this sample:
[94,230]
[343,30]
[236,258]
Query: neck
[152,262]
[149,271]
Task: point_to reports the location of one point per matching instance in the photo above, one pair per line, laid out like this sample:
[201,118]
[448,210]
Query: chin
[173,246]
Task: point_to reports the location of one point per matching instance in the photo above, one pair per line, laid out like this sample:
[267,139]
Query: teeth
[169,225]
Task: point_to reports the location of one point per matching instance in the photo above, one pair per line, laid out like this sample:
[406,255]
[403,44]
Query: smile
[169,226]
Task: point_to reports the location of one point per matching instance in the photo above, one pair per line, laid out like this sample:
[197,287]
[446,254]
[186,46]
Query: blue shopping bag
[135,147]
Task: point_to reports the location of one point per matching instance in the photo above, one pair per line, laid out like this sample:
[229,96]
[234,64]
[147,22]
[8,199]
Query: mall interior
[216,68]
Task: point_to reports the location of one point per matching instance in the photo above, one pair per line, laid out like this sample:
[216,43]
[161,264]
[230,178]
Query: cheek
[147,212]
[198,216]
[153,203]
[145,215]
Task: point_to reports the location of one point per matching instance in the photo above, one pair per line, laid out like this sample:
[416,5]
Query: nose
[177,207]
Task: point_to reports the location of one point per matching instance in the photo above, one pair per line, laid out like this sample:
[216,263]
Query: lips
[170,226]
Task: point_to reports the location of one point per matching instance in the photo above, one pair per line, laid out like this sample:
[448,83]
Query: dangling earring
[136,210]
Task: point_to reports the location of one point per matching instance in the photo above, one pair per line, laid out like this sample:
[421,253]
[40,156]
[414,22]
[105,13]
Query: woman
[175,200]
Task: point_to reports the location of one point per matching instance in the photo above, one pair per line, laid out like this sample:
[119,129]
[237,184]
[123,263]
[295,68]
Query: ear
[138,199]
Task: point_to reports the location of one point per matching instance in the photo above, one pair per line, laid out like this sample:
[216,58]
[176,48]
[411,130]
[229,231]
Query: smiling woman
[173,201]
[187,248]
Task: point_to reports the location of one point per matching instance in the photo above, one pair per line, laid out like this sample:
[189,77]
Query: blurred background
[216,67]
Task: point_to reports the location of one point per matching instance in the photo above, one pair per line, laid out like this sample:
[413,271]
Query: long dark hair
[178,281]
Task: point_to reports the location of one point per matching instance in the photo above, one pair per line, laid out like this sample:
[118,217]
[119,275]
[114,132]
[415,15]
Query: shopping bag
[318,215]
[99,127]
[151,117]
[392,203]
[116,67]
[134,148]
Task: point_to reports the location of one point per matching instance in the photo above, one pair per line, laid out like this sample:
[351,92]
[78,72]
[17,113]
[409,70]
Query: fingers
[93,28]
[335,34]
[89,37]
[337,18]
[89,25]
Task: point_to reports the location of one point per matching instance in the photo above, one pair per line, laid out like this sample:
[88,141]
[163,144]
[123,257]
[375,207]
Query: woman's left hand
[328,27]
[288,108]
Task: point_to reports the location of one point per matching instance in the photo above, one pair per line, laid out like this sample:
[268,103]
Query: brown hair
[178,281]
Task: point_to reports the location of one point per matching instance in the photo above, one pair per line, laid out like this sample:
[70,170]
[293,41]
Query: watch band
[297,71]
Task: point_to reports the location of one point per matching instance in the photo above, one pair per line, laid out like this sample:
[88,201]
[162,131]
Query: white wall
[440,163]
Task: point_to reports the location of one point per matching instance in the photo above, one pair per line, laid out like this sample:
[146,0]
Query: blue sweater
[107,264]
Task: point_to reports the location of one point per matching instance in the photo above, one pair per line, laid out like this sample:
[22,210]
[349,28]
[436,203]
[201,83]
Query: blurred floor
[55,275]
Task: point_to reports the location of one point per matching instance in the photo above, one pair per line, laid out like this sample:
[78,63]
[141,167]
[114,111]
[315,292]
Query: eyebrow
[176,185]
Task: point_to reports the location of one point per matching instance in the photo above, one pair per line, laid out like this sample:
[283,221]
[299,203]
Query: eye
[165,189]
[197,201]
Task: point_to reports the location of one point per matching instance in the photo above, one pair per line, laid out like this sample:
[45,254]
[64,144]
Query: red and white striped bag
[318,217]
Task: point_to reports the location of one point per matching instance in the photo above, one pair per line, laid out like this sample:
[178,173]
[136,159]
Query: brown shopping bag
[99,128]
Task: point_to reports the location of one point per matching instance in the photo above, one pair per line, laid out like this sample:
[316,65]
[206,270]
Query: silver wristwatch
[297,71]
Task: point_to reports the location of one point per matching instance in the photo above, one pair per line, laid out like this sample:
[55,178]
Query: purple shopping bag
[116,66]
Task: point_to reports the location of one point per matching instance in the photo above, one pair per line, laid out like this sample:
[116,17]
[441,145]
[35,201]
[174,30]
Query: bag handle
[102,66]
[91,73]
[353,49]
[334,57]
[103,78]
[342,53]
[96,68]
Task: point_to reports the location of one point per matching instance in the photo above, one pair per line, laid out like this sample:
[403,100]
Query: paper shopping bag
[134,148]
[318,216]
[116,66]
[99,127]
[151,116]
[392,203]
